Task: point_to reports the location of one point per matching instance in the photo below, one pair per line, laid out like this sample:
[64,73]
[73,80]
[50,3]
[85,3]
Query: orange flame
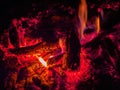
[82,15]
[97,24]
[44,63]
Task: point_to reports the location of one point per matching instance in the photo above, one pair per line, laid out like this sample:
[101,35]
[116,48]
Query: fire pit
[60,45]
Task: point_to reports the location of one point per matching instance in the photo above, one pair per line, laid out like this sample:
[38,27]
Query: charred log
[73,47]
[13,35]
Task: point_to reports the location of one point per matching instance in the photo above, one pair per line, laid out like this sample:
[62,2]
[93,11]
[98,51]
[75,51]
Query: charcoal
[4,40]
[109,46]
[3,74]
[14,37]
[22,74]
[36,81]
[1,55]
[85,85]
[12,64]
[73,51]
[24,24]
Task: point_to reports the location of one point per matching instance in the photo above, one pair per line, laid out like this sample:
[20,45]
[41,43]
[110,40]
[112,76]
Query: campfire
[60,45]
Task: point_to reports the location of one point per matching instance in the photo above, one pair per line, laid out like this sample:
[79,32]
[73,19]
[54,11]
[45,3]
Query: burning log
[40,47]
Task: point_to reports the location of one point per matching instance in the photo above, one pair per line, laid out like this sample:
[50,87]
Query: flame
[62,42]
[97,24]
[44,63]
[82,15]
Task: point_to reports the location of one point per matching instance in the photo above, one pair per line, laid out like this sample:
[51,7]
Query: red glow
[47,51]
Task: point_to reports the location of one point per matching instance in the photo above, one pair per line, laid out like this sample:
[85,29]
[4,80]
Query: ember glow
[44,63]
[60,45]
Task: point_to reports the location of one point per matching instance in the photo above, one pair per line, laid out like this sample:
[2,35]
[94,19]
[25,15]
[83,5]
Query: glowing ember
[43,61]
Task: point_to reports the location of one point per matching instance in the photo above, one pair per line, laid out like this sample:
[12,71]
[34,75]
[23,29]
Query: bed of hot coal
[40,48]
